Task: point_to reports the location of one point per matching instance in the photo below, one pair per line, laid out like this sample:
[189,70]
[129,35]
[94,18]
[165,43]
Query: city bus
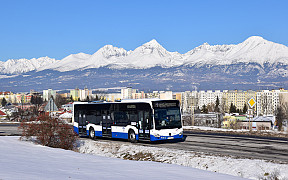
[134,120]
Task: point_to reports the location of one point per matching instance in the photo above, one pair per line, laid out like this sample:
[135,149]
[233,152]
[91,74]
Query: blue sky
[57,28]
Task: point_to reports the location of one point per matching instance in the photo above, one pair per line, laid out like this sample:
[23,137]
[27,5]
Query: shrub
[50,132]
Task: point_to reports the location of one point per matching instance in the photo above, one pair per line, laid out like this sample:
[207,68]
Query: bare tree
[282,111]
[223,107]
[211,107]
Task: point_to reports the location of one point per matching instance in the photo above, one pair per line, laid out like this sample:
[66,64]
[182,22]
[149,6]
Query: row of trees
[218,108]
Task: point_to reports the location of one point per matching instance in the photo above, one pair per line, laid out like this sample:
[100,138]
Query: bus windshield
[167,118]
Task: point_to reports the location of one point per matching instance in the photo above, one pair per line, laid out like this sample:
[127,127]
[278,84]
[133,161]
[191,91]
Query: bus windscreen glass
[167,115]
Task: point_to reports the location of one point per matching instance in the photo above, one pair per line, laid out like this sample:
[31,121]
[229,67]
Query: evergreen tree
[32,100]
[217,103]
[204,109]
[71,99]
[4,102]
[245,108]
[233,108]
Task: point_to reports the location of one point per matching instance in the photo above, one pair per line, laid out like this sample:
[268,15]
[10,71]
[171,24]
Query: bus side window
[120,118]
[98,118]
[133,117]
[91,116]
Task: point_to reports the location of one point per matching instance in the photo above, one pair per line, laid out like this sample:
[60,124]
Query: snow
[25,160]
[24,65]
[66,115]
[229,130]
[254,49]
[246,168]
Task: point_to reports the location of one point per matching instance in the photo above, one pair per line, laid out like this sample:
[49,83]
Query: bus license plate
[170,137]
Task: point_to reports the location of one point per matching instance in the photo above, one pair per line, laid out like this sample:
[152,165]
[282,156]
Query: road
[239,147]
[9,129]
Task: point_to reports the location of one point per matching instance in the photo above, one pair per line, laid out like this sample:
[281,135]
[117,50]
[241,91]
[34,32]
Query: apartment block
[238,97]
[47,94]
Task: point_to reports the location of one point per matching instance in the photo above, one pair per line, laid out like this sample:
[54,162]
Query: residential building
[75,94]
[189,101]
[238,98]
[126,93]
[268,101]
[154,94]
[209,97]
[166,95]
[47,94]
[84,93]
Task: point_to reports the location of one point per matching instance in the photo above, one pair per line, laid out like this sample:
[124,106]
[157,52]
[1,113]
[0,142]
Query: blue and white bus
[145,119]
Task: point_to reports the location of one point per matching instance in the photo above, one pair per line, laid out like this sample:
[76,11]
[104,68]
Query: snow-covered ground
[203,128]
[246,168]
[25,160]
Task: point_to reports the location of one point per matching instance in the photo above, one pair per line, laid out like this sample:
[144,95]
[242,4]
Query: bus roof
[125,101]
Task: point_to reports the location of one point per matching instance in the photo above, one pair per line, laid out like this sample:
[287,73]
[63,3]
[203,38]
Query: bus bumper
[175,137]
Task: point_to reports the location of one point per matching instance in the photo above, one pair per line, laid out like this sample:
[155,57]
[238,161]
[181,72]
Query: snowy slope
[255,49]
[71,62]
[24,65]
[24,160]
[246,168]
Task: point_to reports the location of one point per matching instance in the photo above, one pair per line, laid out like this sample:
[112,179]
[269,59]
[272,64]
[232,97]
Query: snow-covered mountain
[255,49]
[19,66]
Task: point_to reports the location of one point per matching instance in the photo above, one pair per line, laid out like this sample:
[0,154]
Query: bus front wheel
[132,136]
[91,133]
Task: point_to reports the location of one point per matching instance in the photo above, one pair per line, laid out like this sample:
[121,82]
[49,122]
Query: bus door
[82,123]
[106,124]
[144,121]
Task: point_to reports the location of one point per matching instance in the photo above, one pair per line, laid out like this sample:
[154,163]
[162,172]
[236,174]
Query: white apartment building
[154,94]
[268,101]
[126,93]
[208,97]
[84,93]
[166,95]
[189,101]
[48,93]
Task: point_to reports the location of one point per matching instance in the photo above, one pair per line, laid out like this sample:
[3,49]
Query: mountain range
[255,63]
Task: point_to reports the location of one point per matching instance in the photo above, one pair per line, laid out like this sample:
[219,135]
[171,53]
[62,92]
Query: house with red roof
[3,115]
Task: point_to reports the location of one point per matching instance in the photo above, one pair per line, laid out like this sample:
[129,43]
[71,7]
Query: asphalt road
[9,129]
[239,147]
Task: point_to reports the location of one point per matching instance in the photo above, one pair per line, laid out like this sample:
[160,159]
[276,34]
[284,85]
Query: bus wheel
[132,136]
[91,133]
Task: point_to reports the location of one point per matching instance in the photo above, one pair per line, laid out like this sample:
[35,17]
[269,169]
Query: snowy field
[246,168]
[25,160]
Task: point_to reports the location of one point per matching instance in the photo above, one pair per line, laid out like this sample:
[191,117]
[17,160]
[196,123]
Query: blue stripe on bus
[76,130]
[97,133]
[153,138]
[119,135]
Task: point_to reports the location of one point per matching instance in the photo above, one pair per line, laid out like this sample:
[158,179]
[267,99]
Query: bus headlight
[181,133]
[157,135]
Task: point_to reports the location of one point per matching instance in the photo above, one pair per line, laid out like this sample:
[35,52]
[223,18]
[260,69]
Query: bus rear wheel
[91,133]
[132,136]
